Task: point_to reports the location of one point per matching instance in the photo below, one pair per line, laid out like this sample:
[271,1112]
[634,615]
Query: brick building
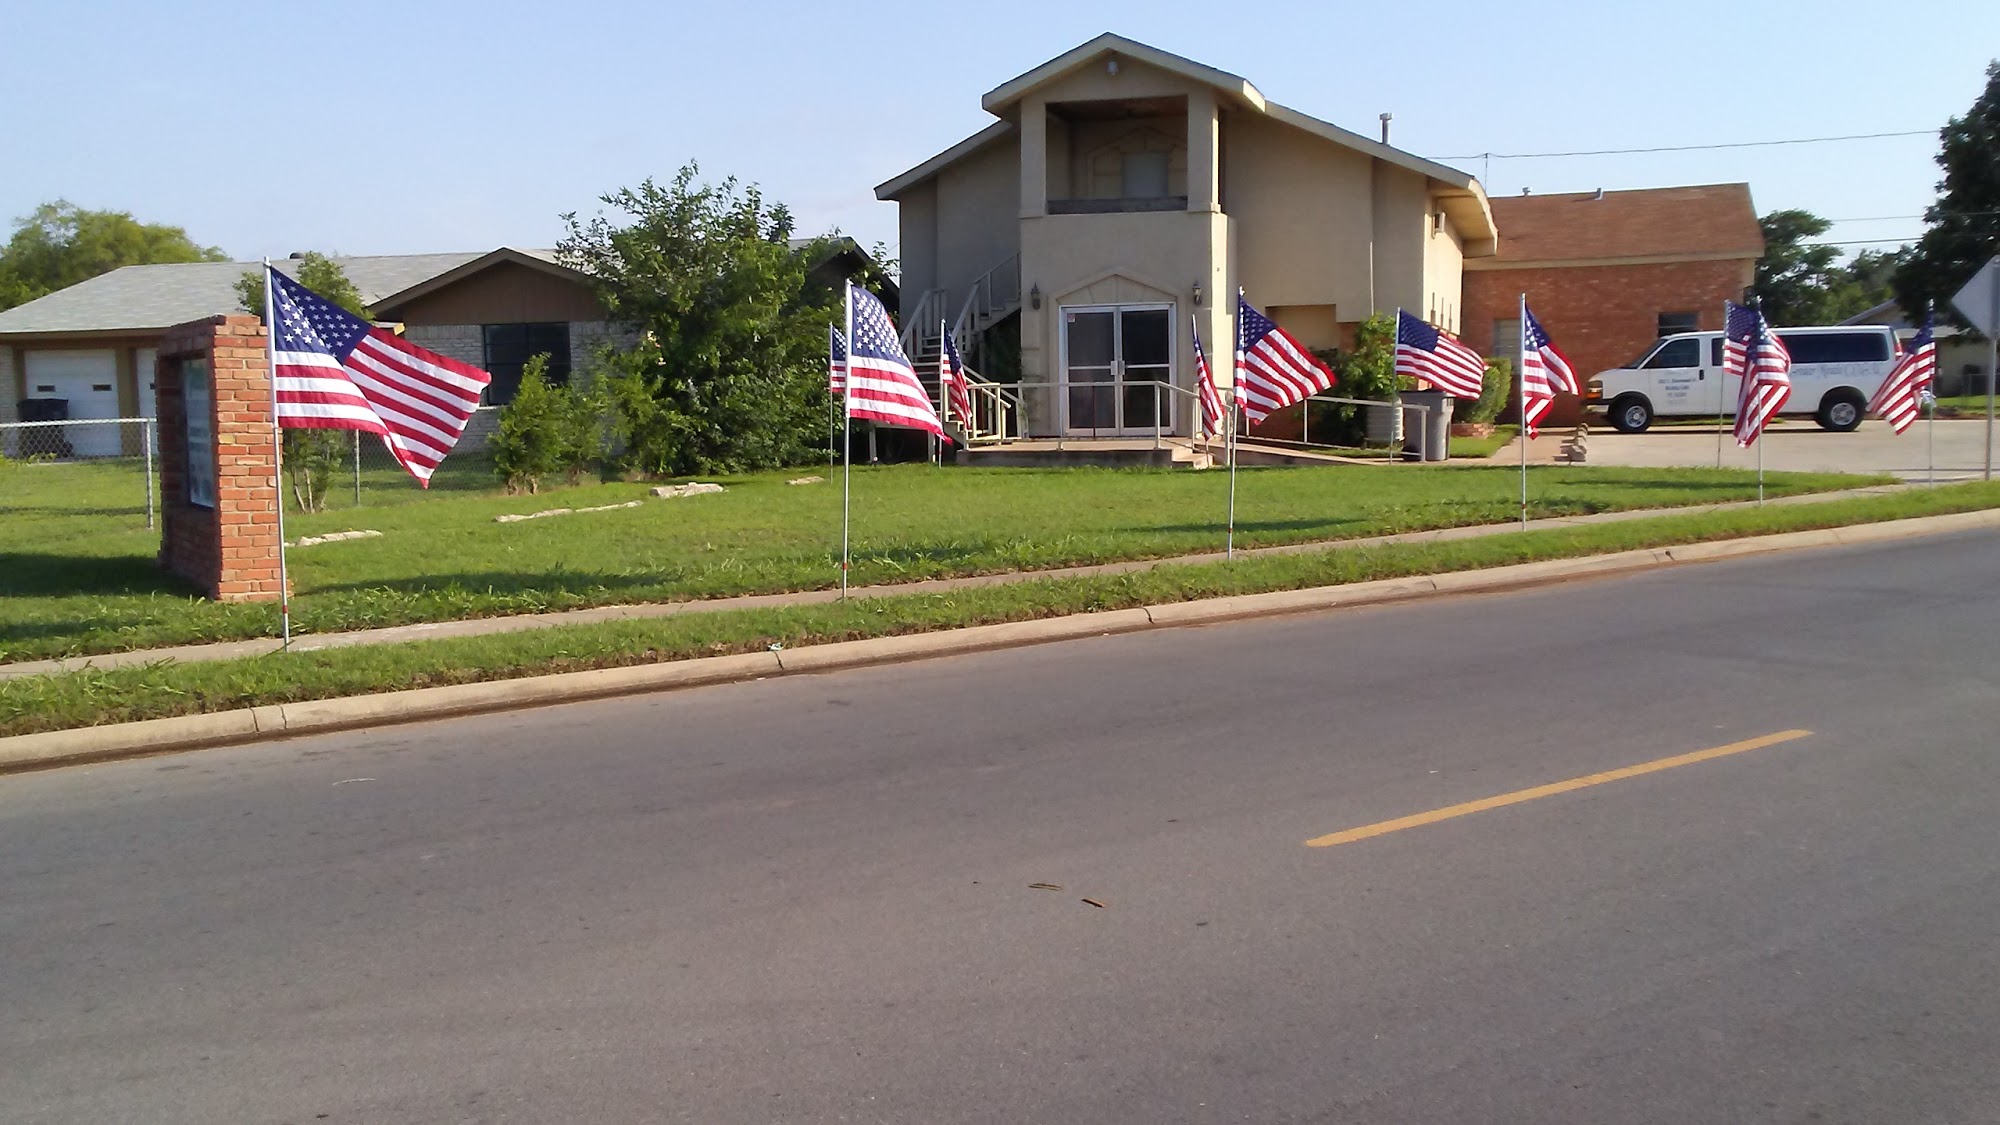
[1610,272]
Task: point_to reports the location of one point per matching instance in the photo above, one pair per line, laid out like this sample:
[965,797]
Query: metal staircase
[992,297]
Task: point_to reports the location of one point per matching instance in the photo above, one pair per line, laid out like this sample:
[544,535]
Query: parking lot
[1792,444]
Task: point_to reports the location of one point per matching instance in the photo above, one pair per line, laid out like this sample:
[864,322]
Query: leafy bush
[529,441]
[1368,370]
[312,457]
[580,441]
[1494,396]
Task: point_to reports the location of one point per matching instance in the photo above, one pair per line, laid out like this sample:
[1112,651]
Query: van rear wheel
[1841,410]
[1631,414]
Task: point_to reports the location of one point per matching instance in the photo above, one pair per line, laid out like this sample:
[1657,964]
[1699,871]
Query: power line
[1689,148]
[1865,241]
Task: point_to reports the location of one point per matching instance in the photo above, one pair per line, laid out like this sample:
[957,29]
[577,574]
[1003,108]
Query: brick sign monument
[217,459]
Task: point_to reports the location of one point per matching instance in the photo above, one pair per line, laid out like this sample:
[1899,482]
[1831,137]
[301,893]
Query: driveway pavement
[1793,446]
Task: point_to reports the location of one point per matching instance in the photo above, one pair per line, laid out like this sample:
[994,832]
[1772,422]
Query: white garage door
[89,380]
[142,368]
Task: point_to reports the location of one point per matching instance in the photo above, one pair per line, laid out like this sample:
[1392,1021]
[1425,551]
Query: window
[1676,353]
[1672,322]
[1145,175]
[1836,347]
[509,347]
[1506,337]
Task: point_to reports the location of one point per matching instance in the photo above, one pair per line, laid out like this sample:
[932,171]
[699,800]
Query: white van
[1835,371]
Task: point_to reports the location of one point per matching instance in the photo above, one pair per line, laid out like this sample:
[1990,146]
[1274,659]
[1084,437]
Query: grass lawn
[38,703]
[76,561]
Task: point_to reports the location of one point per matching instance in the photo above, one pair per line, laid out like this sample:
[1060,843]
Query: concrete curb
[153,736]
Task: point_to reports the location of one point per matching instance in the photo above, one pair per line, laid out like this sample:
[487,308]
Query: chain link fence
[110,467]
[100,466]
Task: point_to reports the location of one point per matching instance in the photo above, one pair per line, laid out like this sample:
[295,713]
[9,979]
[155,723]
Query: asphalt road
[812,900]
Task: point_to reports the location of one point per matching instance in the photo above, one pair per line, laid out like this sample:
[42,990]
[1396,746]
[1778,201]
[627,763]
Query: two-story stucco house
[1123,195]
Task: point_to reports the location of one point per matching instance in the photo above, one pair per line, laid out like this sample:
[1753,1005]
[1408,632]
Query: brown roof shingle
[1708,219]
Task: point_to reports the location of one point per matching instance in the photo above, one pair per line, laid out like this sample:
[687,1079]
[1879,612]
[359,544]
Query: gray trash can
[1435,444]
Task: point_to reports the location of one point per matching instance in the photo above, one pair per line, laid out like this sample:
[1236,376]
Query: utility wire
[1688,148]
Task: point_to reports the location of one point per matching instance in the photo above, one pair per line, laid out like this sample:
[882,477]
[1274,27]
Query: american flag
[1752,353]
[1211,399]
[1544,371]
[951,376]
[882,386]
[1273,370]
[1428,353]
[335,371]
[836,362]
[1900,397]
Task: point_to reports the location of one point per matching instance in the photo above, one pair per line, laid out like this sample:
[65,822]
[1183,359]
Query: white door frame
[1117,383]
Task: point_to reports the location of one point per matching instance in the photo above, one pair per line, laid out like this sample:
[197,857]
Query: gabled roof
[541,261]
[1705,221]
[1235,90]
[149,298]
[1003,97]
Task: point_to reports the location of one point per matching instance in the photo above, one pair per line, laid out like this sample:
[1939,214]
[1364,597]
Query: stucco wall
[978,204]
[1143,257]
[1302,214]
[1444,269]
[1402,210]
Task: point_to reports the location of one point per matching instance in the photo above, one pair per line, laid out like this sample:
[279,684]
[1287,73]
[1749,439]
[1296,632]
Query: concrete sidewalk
[485,626]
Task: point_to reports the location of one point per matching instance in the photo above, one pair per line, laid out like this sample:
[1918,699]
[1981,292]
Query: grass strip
[77,574]
[90,697]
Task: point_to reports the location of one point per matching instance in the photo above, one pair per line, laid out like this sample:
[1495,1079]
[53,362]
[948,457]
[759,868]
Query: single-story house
[1609,272]
[93,343]
[1119,199]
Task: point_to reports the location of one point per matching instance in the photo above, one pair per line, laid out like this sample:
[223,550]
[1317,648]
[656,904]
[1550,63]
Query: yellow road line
[1418,820]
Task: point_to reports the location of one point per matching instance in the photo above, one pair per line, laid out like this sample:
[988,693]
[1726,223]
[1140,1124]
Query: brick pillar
[226,543]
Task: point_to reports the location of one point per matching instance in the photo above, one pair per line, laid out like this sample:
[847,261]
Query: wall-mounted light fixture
[1034,296]
[1111,66]
[1197,294]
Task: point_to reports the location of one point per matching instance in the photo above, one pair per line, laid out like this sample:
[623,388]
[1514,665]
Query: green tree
[1963,226]
[62,244]
[1797,280]
[730,371]
[312,457]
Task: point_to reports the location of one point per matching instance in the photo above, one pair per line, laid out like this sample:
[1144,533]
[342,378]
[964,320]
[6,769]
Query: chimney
[1386,118]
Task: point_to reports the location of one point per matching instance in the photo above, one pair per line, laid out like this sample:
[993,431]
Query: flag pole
[277,455]
[846,437]
[1521,397]
[1229,440]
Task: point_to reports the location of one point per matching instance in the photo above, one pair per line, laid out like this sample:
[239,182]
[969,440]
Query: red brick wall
[231,551]
[1601,316]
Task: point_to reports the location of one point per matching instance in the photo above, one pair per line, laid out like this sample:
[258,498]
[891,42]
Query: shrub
[312,457]
[1495,395]
[580,441]
[527,445]
[1367,371]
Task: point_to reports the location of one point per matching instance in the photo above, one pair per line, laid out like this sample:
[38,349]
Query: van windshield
[1685,352]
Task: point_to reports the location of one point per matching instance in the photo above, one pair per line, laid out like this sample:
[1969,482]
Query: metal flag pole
[1521,396]
[1760,466]
[277,453]
[1229,440]
[1930,440]
[846,437]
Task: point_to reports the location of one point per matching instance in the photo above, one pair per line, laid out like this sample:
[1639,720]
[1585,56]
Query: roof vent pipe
[1386,118]
[1599,195]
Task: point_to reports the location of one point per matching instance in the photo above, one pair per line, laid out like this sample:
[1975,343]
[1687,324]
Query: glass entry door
[1115,360]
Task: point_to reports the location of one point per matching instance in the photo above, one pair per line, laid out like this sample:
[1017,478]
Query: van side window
[1836,347]
[1715,352]
[1676,353]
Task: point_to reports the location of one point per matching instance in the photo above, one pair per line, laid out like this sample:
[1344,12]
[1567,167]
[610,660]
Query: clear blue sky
[418,126]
